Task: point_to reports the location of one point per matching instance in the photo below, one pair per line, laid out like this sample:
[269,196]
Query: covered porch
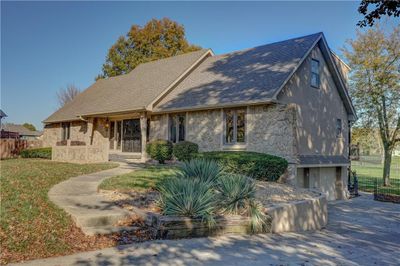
[127,137]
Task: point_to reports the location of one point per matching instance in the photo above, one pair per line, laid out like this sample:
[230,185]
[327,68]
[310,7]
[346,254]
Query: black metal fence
[376,185]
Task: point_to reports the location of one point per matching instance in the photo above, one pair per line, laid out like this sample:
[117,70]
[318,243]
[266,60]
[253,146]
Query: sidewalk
[91,211]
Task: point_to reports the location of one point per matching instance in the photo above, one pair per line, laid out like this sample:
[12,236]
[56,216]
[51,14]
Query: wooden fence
[10,148]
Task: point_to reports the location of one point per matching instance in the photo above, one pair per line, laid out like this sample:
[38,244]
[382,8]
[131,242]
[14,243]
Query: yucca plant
[234,191]
[188,197]
[207,171]
[237,195]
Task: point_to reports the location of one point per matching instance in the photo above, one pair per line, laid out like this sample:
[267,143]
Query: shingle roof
[250,75]
[131,91]
[23,131]
[322,159]
[2,114]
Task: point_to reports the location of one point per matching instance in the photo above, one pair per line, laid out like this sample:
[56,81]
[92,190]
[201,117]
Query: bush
[207,171]
[160,150]
[187,197]
[44,153]
[257,165]
[185,150]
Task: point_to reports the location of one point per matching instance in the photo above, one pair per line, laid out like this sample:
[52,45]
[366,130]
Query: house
[287,98]
[2,115]
[19,131]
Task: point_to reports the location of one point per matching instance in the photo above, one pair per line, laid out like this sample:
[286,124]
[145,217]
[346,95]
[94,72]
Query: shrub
[257,165]
[207,171]
[44,153]
[187,197]
[160,150]
[185,150]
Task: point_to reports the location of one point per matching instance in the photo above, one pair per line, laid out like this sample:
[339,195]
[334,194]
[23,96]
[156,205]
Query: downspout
[349,151]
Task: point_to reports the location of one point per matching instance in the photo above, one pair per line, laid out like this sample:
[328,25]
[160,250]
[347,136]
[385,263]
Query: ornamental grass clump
[188,197]
[202,190]
[237,195]
[208,171]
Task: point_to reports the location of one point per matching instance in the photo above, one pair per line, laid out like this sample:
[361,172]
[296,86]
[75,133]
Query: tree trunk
[386,166]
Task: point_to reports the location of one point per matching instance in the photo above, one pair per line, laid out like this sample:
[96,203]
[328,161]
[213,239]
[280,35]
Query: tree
[156,40]
[29,126]
[374,57]
[65,95]
[382,7]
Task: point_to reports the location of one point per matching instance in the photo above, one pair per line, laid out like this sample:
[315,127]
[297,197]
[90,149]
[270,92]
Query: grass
[30,225]
[139,180]
[370,169]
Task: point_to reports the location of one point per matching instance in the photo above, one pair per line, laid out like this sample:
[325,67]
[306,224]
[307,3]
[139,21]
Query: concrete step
[124,158]
[101,218]
[106,230]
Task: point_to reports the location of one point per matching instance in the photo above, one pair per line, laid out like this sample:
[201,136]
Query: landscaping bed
[148,191]
[268,193]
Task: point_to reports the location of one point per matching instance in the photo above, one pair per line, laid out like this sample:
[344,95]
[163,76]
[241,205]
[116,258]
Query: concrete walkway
[360,232]
[91,212]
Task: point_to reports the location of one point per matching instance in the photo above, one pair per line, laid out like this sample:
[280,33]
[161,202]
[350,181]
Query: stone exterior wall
[51,134]
[95,137]
[158,127]
[205,128]
[270,129]
[78,131]
[100,133]
[80,154]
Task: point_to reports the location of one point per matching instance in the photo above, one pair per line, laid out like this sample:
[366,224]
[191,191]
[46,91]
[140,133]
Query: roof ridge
[266,44]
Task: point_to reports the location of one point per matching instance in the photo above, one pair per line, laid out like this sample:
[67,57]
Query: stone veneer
[205,129]
[270,129]
[158,127]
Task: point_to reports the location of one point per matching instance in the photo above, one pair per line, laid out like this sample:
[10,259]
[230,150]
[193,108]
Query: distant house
[9,130]
[2,115]
[288,99]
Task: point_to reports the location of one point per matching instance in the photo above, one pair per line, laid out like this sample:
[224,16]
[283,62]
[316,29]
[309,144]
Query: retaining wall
[289,217]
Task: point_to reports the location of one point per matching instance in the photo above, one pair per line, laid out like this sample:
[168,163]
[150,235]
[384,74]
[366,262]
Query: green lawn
[370,169]
[30,225]
[139,180]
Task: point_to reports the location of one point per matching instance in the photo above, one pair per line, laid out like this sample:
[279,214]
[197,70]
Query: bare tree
[65,95]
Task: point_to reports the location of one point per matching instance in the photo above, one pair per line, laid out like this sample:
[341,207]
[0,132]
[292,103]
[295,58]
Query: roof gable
[252,75]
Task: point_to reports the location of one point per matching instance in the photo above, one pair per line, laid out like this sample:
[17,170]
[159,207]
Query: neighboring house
[287,98]
[2,115]
[9,130]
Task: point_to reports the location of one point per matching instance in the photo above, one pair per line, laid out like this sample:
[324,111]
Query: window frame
[65,131]
[175,118]
[314,73]
[235,115]
[339,128]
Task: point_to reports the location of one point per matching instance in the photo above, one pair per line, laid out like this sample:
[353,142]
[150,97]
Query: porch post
[143,131]
[89,132]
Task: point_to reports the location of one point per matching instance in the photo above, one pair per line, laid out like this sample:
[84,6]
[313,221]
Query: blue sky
[47,45]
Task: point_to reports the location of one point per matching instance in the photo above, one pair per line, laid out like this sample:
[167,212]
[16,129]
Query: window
[235,126]
[177,127]
[65,134]
[315,73]
[338,128]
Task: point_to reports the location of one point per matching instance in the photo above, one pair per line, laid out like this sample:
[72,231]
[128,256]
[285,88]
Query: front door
[131,136]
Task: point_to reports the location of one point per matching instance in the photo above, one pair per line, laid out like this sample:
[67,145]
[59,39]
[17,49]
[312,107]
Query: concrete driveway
[360,232]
